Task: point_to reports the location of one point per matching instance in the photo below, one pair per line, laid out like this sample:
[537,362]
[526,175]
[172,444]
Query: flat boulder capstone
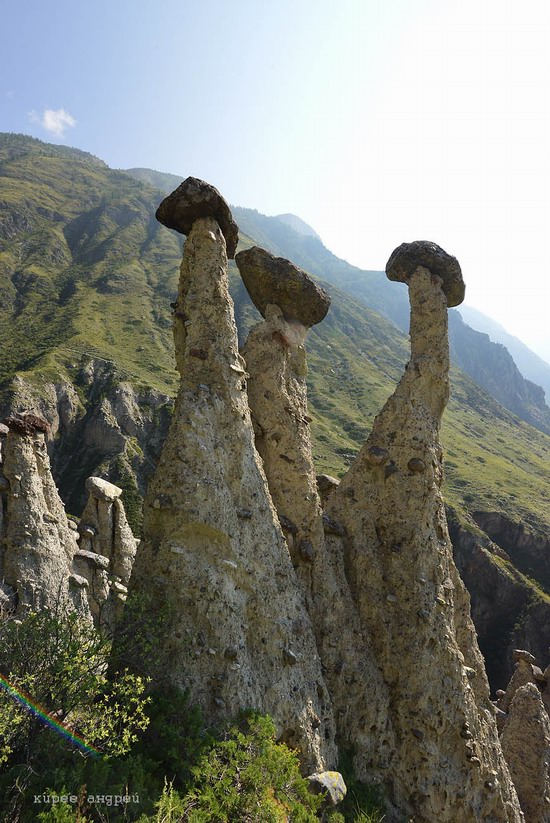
[406,258]
[276,281]
[193,199]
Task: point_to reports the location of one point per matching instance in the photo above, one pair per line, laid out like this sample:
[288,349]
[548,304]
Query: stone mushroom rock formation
[406,258]
[277,393]
[433,724]
[192,200]
[213,550]
[276,281]
[526,746]
[107,549]
[38,544]
[525,671]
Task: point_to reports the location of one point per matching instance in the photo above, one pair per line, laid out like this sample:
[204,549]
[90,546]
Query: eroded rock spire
[276,361]
[526,747]
[213,548]
[275,358]
[429,734]
[106,551]
[38,545]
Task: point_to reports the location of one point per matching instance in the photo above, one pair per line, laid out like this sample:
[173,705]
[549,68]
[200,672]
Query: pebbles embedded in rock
[325,485]
[377,455]
[416,465]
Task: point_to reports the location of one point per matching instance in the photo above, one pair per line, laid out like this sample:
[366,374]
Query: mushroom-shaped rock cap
[408,256]
[193,199]
[274,280]
[27,424]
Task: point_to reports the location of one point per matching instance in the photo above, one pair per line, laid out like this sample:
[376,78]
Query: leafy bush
[58,709]
[249,777]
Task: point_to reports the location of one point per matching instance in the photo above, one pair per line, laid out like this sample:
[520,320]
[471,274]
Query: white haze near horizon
[375,122]
[453,145]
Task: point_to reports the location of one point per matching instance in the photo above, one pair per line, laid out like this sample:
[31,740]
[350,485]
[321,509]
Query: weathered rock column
[39,545]
[526,746]
[213,548]
[277,392]
[446,763]
[107,549]
[276,361]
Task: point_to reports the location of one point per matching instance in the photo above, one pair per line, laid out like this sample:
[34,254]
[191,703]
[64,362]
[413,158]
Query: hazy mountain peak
[298,225]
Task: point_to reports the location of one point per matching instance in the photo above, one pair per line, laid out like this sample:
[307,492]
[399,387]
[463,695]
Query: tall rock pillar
[212,547]
[276,361]
[445,762]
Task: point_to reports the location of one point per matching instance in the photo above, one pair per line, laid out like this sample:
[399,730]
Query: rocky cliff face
[528,549]
[98,425]
[493,367]
[508,611]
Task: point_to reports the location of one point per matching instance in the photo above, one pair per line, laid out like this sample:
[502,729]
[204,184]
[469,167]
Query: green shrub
[59,713]
[248,776]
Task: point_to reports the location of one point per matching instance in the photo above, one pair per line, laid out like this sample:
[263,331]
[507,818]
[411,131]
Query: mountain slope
[479,357]
[492,366]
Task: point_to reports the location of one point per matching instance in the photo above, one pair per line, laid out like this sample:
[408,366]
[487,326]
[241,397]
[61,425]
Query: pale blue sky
[375,121]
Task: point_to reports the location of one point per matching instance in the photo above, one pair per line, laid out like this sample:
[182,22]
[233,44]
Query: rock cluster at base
[46,560]
[213,549]
[106,551]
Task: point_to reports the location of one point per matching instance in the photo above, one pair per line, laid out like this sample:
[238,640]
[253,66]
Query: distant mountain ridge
[298,225]
[490,364]
[529,363]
